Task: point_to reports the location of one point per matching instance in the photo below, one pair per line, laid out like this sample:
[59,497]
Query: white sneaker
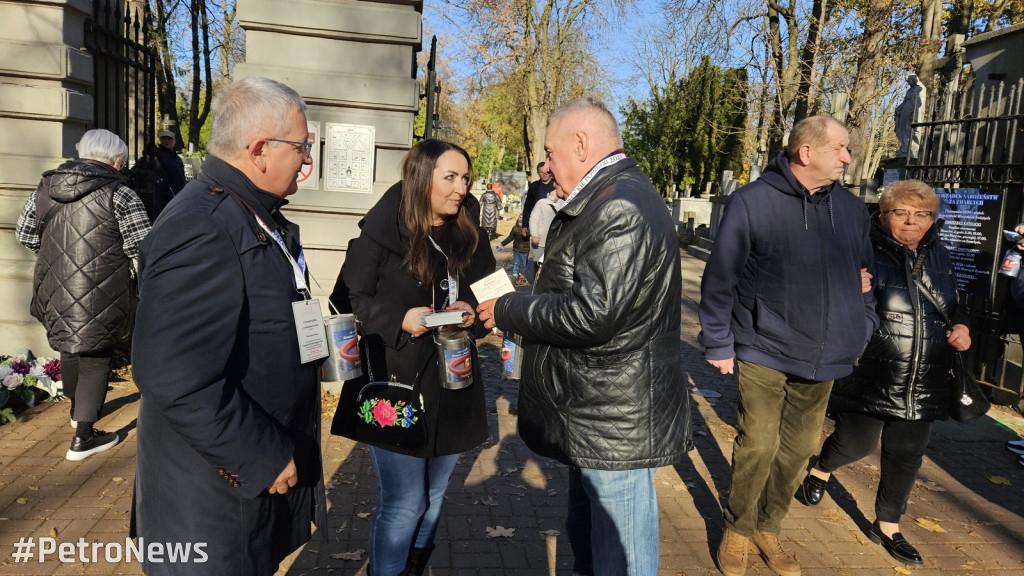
[74,424]
[1015,446]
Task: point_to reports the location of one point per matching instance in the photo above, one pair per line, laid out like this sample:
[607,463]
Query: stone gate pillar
[354,63]
[45,108]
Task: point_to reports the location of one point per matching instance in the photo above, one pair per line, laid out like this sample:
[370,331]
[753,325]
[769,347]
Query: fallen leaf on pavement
[117,479]
[356,555]
[929,524]
[500,531]
[22,501]
[931,487]
[488,501]
[901,570]
[33,488]
[363,515]
[999,480]
[53,532]
[549,532]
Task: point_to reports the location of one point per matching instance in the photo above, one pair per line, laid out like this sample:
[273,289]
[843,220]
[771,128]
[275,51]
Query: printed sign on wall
[349,151]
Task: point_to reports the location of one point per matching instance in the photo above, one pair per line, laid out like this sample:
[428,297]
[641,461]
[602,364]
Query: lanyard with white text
[593,172]
[298,268]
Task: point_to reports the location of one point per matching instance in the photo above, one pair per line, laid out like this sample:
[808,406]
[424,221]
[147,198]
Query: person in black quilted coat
[602,389]
[85,226]
[902,382]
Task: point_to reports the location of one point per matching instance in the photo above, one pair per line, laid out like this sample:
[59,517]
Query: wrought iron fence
[972,138]
[124,64]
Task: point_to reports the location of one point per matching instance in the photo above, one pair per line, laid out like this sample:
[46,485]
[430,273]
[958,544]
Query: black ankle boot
[417,561]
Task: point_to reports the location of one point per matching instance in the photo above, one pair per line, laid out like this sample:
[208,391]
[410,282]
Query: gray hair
[248,109]
[812,130]
[104,146]
[597,117]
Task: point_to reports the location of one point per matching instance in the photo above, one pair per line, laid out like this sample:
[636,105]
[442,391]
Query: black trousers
[903,445]
[85,382]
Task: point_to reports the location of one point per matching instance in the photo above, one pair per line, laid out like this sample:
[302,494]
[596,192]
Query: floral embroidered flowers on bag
[383,413]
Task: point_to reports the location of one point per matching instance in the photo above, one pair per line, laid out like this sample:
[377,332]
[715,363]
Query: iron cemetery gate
[124,64]
[970,151]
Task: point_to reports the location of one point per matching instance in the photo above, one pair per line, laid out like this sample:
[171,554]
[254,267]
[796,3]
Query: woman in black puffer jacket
[902,382]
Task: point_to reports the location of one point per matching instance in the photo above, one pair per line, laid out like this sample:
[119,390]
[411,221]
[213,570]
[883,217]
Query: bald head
[580,134]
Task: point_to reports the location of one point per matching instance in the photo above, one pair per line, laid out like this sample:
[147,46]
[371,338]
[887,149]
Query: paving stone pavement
[966,514]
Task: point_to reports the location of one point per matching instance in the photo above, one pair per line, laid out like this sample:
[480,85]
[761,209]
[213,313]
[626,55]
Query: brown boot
[732,553]
[774,556]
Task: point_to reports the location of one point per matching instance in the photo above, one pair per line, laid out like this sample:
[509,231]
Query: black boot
[417,561]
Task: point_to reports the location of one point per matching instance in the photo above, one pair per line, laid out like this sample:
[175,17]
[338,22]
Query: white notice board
[349,152]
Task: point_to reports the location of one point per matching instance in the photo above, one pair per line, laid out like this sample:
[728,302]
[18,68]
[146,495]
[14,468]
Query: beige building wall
[44,110]
[353,62]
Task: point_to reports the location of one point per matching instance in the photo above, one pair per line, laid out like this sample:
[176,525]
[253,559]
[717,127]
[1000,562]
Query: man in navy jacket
[228,435]
[782,302]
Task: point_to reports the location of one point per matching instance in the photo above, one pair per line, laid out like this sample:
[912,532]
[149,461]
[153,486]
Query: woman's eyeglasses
[919,215]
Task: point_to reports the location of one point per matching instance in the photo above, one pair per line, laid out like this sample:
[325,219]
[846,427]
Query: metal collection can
[343,344]
[511,356]
[455,358]
[1011,263]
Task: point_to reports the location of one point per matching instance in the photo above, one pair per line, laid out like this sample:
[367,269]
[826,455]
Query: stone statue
[910,111]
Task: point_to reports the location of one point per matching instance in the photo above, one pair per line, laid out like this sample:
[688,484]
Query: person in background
[520,239]
[85,226]
[602,389]
[228,447]
[417,251]
[490,212]
[537,190]
[172,171]
[785,302]
[902,381]
[1017,296]
[540,221]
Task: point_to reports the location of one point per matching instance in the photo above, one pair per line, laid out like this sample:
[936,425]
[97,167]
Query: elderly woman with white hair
[85,226]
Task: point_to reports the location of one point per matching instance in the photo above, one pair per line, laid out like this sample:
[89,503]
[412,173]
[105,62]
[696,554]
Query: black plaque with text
[971,231]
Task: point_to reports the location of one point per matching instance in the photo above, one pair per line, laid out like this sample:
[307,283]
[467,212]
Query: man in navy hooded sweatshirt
[782,302]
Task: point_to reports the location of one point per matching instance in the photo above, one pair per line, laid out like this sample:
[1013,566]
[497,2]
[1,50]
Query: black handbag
[389,414]
[968,400]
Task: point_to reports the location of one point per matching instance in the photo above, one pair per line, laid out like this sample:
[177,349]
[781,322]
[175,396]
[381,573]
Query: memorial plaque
[971,231]
[349,152]
[308,176]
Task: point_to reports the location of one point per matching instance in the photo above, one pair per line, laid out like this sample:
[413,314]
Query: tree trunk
[865,86]
[166,91]
[809,58]
[931,39]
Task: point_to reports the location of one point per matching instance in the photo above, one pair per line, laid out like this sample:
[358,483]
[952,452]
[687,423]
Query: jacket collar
[231,178]
[599,182]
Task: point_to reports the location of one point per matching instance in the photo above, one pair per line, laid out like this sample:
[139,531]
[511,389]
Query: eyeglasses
[307,147]
[919,215]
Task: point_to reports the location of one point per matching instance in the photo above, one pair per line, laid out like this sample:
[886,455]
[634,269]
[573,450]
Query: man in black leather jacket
[602,389]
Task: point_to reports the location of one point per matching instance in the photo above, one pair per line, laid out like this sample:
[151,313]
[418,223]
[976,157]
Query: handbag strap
[369,364]
[935,302]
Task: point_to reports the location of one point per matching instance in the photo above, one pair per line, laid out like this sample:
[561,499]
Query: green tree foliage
[690,130]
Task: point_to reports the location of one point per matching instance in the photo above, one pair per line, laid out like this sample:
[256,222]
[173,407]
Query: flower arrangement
[21,374]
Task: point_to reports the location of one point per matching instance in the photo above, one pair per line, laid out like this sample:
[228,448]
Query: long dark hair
[457,236]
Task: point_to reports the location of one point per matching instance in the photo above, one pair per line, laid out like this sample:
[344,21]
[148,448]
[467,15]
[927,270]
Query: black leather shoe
[813,489]
[897,546]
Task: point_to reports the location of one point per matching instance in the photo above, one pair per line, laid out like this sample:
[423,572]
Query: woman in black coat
[902,382]
[418,251]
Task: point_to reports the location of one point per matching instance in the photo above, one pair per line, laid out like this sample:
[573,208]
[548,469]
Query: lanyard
[614,158]
[453,284]
[298,268]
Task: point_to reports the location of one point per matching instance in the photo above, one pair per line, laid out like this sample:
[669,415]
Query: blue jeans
[613,522]
[409,495]
[519,262]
